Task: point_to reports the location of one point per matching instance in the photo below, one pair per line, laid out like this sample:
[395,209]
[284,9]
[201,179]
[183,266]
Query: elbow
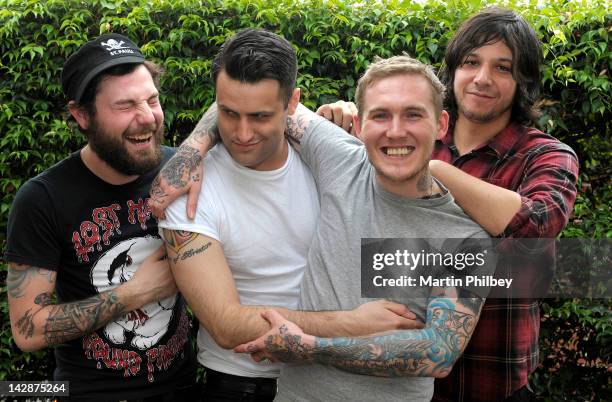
[26,345]
[224,340]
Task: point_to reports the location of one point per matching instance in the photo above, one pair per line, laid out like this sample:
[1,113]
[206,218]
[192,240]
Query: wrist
[129,295]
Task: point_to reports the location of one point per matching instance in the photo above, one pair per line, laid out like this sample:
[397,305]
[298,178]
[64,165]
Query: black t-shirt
[95,235]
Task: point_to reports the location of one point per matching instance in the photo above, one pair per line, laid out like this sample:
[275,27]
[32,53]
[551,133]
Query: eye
[505,69]
[229,113]
[154,101]
[470,63]
[261,116]
[379,116]
[413,115]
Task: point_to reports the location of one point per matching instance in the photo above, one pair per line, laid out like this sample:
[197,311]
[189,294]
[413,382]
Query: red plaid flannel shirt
[503,350]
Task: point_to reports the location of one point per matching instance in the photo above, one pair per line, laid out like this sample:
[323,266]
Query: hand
[285,342]
[153,280]
[340,113]
[383,315]
[181,174]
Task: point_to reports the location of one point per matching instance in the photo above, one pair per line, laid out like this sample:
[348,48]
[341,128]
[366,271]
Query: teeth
[139,137]
[399,151]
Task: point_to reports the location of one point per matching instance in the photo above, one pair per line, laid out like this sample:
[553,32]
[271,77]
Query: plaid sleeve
[548,192]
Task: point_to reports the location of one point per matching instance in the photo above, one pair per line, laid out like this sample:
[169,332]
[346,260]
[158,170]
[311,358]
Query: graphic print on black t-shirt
[146,324]
[113,245]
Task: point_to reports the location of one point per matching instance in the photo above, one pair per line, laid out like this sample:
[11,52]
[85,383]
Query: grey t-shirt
[354,206]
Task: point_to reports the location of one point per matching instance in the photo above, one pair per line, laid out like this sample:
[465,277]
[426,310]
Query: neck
[468,134]
[420,186]
[102,169]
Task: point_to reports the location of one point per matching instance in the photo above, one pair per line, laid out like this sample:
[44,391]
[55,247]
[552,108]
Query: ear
[294,101]
[442,125]
[357,126]
[80,115]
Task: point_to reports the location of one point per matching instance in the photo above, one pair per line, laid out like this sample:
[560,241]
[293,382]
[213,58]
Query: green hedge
[335,42]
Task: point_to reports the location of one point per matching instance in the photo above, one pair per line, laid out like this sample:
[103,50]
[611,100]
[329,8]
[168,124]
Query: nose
[145,114]
[483,76]
[395,129]
[244,133]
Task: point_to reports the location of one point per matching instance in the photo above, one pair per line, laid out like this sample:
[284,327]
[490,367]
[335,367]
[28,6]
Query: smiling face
[252,120]
[126,130]
[399,126]
[484,86]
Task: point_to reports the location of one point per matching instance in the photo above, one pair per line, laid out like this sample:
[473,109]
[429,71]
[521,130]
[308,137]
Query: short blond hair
[398,65]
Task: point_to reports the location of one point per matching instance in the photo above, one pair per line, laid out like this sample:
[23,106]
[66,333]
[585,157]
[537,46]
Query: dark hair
[487,27]
[253,55]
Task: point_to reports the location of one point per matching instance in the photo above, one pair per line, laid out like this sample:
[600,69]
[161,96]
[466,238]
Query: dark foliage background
[335,42]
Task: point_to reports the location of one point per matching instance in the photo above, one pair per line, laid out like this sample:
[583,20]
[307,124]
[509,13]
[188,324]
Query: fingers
[400,309]
[249,347]
[192,199]
[340,113]
[410,324]
[325,111]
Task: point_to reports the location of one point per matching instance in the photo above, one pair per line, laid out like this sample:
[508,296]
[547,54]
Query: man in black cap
[82,230]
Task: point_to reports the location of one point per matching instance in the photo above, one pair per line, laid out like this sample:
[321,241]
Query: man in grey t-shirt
[380,188]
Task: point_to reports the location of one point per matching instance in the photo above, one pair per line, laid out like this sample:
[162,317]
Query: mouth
[398,151]
[140,138]
[481,95]
[245,146]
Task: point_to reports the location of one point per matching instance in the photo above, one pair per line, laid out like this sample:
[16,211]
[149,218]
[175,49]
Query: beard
[485,117]
[111,149]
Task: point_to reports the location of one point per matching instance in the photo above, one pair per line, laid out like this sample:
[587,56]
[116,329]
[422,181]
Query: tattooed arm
[37,322]
[430,351]
[205,280]
[183,172]
[297,123]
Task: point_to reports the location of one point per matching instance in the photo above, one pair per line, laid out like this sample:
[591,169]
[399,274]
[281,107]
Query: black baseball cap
[95,56]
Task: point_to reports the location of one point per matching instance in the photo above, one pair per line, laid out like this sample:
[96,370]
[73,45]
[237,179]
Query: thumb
[400,310]
[248,347]
[273,317]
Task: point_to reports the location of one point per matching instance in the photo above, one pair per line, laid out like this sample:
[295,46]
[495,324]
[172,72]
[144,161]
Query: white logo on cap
[112,44]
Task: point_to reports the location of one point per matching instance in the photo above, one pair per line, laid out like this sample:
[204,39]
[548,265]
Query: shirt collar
[501,143]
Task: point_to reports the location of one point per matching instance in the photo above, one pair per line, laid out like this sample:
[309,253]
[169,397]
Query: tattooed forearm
[296,127]
[72,320]
[180,168]
[207,126]
[431,351]
[427,352]
[19,277]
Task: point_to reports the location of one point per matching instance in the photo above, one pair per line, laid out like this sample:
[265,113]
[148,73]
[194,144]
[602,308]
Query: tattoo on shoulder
[177,239]
[192,252]
[19,277]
